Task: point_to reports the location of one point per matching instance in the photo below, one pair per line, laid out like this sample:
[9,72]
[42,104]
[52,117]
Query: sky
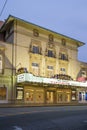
[67,17]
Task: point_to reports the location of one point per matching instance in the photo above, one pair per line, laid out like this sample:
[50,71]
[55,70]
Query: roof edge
[11,16]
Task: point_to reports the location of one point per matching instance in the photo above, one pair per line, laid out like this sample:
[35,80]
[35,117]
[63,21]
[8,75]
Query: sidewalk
[40,105]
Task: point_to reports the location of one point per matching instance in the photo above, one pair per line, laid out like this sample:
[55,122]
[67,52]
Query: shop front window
[60,97]
[63,97]
[19,93]
[73,95]
[29,96]
[3,92]
[39,97]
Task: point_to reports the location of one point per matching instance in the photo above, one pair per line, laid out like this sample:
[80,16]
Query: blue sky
[67,17]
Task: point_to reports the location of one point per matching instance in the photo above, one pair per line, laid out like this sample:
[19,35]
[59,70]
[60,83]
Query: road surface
[44,118]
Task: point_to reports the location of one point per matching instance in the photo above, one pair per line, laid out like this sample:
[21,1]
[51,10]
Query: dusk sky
[67,17]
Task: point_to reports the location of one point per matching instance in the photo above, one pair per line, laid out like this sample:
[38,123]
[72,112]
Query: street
[44,118]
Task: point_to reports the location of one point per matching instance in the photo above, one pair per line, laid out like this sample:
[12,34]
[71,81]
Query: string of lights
[3,7]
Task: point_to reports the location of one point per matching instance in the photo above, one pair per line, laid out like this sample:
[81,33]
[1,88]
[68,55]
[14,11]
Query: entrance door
[50,96]
[60,97]
[86,96]
[63,97]
[29,96]
[82,96]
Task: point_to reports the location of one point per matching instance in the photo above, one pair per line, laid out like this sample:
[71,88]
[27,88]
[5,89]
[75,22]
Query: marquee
[31,78]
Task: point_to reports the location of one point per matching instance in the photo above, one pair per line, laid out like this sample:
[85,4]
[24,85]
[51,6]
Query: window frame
[63,56]
[83,73]
[35,68]
[62,70]
[50,53]
[35,49]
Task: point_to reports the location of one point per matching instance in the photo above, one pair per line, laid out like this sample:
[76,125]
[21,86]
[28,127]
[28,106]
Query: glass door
[50,96]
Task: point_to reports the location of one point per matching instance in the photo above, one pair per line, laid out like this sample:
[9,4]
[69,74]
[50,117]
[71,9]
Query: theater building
[38,65]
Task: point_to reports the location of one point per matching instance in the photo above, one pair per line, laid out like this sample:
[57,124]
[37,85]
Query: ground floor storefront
[7,89]
[45,94]
[38,90]
[39,94]
[34,89]
[82,95]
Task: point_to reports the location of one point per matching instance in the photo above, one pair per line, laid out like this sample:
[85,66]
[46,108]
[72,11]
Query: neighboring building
[38,65]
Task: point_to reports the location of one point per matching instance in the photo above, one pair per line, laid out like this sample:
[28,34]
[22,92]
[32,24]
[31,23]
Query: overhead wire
[3,7]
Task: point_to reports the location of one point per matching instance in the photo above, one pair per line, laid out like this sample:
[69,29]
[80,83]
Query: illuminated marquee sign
[31,78]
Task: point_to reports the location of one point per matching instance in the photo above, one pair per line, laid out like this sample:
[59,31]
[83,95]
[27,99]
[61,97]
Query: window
[62,71]
[35,46]
[50,67]
[35,69]
[1,68]
[63,56]
[35,64]
[50,53]
[22,70]
[19,92]
[50,71]
[83,73]
[35,49]
[29,95]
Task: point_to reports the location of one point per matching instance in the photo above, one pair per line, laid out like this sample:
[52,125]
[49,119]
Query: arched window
[35,46]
